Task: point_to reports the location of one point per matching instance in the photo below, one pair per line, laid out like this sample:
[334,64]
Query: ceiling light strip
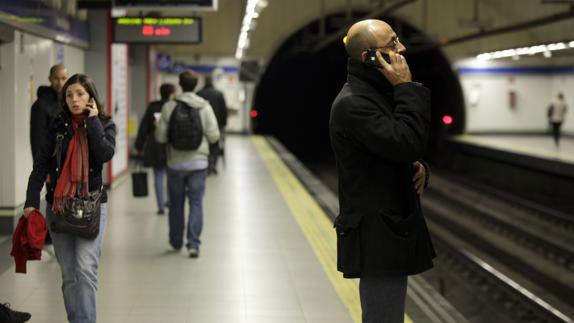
[252,12]
[515,52]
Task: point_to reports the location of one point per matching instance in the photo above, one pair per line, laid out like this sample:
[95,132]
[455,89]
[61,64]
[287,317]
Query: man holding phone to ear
[379,127]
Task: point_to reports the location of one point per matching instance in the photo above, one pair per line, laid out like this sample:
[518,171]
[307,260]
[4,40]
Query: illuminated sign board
[157,30]
[191,4]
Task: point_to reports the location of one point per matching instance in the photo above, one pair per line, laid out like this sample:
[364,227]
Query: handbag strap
[58,149]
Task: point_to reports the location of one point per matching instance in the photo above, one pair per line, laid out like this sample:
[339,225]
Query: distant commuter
[43,112]
[79,142]
[154,153]
[379,127]
[217,102]
[556,114]
[188,125]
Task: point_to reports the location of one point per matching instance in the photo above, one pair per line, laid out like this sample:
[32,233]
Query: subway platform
[268,255]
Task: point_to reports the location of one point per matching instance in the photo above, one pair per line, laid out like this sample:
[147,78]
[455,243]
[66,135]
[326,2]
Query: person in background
[88,142]
[154,153]
[556,114]
[42,113]
[217,102]
[187,169]
[379,126]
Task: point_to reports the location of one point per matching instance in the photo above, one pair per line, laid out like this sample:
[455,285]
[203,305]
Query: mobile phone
[371,58]
[89,105]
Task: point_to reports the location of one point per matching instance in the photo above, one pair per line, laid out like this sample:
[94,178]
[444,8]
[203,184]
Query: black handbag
[81,217]
[139,183]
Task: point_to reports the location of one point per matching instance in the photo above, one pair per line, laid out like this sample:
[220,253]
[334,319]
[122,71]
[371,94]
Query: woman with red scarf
[88,142]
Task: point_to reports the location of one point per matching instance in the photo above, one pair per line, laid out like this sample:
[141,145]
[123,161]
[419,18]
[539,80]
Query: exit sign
[157,30]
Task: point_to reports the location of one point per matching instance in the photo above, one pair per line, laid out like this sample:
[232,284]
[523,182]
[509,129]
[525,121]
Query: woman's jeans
[183,183]
[158,176]
[79,259]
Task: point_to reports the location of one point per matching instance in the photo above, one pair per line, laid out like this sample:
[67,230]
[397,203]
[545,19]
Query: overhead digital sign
[191,4]
[157,30]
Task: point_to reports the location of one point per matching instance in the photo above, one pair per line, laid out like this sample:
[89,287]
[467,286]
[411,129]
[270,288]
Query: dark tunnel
[294,95]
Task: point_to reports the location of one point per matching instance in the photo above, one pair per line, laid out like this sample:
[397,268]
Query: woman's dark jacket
[154,153]
[377,131]
[102,143]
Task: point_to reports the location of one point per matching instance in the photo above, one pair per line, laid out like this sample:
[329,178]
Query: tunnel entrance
[294,95]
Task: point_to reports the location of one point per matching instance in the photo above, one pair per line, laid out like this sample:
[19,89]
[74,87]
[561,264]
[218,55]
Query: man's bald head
[58,76]
[367,34]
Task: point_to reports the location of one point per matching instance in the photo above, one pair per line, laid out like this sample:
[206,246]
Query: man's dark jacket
[154,153]
[43,111]
[377,132]
[101,141]
[217,102]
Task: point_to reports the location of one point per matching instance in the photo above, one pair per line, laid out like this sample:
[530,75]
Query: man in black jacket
[46,107]
[379,127]
[217,102]
[43,113]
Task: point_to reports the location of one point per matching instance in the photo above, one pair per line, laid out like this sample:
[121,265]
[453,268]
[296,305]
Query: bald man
[44,110]
[379,128]
[46,106]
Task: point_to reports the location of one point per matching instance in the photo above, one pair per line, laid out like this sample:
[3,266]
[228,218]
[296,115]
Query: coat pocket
[402,226]
[348,244]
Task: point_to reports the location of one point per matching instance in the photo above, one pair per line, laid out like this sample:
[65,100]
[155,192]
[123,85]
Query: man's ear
[363,56]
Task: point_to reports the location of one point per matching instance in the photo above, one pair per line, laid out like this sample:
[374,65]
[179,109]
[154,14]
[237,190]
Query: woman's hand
[28,210]
[93,107]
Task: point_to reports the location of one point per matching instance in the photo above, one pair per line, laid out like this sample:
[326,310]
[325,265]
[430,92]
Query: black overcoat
[377,131]
[101,142]
[154,153]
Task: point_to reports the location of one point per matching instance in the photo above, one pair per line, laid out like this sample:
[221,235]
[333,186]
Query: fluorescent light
[252,12]
[531,50]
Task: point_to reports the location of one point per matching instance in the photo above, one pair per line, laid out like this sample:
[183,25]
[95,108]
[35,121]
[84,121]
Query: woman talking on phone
[79,142]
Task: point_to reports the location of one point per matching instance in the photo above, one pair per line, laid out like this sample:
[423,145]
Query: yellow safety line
[317,228]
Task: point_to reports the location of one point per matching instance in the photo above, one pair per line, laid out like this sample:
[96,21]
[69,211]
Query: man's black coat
[217,102]
[377,132]
[43,112]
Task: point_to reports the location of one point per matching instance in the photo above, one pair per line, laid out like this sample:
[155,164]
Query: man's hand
[419,177]
[398,71]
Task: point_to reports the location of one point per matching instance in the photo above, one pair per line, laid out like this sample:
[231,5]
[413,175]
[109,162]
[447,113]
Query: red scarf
[74,176]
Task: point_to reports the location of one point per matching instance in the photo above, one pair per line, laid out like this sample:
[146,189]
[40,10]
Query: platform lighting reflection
[515,52]
[252,11]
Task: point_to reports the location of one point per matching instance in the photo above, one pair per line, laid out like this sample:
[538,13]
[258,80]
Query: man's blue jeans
[179,184]
[158,176]
[79,260]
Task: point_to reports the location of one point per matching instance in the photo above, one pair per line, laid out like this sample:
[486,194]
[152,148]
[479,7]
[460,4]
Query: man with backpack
[188,125]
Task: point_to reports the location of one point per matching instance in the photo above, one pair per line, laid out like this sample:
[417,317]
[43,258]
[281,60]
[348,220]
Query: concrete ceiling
[439,19]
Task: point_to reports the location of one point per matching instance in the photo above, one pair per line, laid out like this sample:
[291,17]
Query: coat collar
[368,74]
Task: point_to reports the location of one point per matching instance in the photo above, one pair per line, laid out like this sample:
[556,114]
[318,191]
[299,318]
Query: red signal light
[447,120]
[254,114]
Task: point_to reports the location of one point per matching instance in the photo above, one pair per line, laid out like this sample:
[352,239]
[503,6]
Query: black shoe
[8,315]
[160,212]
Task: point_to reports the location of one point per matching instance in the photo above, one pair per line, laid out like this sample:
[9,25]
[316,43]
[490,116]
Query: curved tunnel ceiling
[439,19]
[294,95]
